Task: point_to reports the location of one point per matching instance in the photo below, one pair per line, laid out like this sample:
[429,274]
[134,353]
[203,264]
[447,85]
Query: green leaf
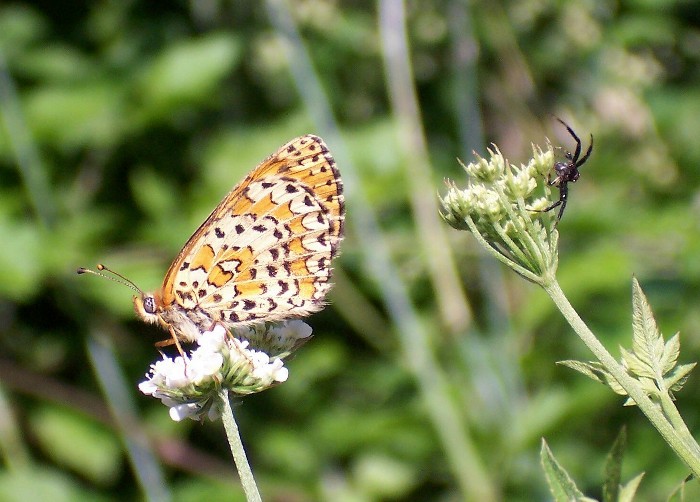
[188,72]
[677,378]
[73,116]
[629,490]
[647,342]
[614,385]
[629,402]
[20,27]
[561,485]
[635,365]
[613,467]
[597,372]
[39,483]
[78,443]
[672,349]
[20,264]
[592,370]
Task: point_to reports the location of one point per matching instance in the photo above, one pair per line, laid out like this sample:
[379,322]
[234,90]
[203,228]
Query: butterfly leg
[171,341]
[177,343]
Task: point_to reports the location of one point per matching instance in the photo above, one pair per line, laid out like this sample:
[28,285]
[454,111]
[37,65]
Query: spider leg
[561,209]
[583,159]
[563,194]
[577,152]
[550,207]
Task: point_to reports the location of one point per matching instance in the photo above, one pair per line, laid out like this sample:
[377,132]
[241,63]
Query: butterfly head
[146,307]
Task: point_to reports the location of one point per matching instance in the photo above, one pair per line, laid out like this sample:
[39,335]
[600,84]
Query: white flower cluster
[189,385]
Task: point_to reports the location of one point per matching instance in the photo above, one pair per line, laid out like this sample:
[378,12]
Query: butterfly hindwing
[264,253]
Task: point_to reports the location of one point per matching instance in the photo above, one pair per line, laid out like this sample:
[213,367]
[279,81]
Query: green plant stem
[234,440]
[499,255]
[674,417]
[684,445]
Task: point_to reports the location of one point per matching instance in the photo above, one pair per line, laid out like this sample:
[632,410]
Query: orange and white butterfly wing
[264,253]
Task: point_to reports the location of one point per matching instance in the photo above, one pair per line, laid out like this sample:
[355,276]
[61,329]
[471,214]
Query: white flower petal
[271,372]
[176,376]
[148,387]
[214,339]
[182,411]
[280,375]
[203,367]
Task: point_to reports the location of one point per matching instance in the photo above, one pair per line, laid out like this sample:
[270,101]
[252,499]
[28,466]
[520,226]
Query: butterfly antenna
[119,277]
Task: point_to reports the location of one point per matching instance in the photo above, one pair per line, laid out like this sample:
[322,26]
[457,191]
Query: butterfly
[263,254]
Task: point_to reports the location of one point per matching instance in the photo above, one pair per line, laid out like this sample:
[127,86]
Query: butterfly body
[263,254]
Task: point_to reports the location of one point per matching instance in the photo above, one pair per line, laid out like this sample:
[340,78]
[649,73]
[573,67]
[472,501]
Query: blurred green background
[432,373]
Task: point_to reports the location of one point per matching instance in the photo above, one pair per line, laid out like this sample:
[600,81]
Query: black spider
[567,172]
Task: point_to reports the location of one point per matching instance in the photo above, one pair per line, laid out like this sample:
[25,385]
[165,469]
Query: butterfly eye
[149,305]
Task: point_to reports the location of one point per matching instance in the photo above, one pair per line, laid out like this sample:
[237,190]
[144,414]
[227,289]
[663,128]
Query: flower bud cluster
[244,362]
[500,206]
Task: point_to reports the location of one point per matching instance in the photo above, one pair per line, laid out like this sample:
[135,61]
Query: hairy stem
[234,440]
[683,444]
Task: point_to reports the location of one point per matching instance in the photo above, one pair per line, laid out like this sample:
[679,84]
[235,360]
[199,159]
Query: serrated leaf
[636,366]
[672,349]
[561,485]
[592,370]
[614,385]
[613,467]
[647,342]
[595,371]
[677,378]
[629,490]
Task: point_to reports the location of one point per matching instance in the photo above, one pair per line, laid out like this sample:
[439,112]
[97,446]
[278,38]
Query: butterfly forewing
[264,253]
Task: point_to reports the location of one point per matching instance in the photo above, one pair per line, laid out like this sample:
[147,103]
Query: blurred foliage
[124,123]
